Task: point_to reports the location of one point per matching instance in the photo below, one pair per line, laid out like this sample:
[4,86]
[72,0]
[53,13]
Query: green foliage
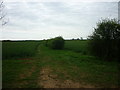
[56,43]
[18,49]
[105,41]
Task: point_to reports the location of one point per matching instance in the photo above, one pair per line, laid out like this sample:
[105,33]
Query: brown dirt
[48,80]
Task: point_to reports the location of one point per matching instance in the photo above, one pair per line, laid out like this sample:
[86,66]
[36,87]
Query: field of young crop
[77,46]
[49,68]
[15,49]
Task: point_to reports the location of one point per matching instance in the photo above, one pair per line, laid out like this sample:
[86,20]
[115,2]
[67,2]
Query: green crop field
[18,49]
[71,67]
[77,46]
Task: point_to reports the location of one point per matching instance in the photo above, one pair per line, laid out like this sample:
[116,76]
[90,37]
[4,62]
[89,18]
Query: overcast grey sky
[42,20]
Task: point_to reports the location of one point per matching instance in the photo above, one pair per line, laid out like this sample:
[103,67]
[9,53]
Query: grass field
[60,69]
[18,49]
[77,46]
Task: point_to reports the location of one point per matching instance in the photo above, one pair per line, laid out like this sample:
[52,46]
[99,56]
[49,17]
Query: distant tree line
[78,38]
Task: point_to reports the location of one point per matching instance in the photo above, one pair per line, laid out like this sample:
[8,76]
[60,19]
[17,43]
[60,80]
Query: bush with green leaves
[56,43]
[105,40]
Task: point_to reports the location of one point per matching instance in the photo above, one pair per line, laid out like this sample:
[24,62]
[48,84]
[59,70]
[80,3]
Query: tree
[56,43]
[3,14]
[105,40]
[81,38]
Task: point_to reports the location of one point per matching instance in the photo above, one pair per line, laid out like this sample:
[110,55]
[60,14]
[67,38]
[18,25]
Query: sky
[37,20]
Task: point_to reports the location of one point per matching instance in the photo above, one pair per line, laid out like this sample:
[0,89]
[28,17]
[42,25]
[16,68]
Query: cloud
[61,0]
[40,20]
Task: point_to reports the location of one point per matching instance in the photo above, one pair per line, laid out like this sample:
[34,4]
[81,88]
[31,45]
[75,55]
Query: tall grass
[18,49]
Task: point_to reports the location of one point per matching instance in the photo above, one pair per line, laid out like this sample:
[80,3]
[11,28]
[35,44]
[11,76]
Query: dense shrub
[56,43]
[105,40]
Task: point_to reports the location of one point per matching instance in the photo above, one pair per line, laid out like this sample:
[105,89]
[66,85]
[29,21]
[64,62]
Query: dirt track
[48,80]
